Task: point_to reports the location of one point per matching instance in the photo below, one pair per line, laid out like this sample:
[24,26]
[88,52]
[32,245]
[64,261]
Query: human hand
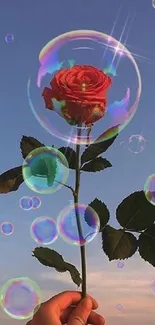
[68,308]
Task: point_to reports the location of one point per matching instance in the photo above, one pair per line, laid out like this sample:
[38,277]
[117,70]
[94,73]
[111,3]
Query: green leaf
[11,180]
[118,244]
[102,211]
[70,155]
[135,212]
[28,144]
[49,258]
[146,244]
[98,147]
[96,165]
[52,258]
[45,167]
[75,275]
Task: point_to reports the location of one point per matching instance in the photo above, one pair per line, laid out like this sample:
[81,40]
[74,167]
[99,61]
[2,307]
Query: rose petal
[85,105]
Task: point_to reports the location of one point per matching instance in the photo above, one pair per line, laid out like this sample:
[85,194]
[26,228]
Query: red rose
[82,89]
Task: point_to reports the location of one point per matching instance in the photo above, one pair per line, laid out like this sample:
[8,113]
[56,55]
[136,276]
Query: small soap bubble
[67,224]
[149,189]
[44,231]
[153,3]
[136,143]
[26,203]
[9,38]
[20,298]
[119,307]
[45,170]
[36,202]
[7,228]
[120,264]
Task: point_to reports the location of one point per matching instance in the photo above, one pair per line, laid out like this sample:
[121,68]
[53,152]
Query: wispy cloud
[124,295]
[132,291]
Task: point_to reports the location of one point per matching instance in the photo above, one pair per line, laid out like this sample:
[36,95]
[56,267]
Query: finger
[93,318]
[82,311]
[65,314]
[50,311]
[64,300]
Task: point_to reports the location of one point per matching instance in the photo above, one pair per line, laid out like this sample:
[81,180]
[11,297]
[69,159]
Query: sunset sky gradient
[33,24]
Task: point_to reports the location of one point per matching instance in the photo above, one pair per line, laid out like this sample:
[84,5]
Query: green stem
[76,201]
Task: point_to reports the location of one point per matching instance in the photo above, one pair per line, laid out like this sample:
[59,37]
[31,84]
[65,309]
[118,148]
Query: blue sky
[33,24]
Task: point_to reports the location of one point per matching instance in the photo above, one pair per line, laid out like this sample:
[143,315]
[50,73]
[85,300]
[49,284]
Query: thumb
[81,313]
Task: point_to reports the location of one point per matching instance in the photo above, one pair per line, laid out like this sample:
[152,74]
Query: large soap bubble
[87,47]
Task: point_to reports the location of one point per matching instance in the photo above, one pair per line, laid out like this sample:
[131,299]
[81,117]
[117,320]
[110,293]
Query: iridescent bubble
[149,189]
[153,3]
[120,264]
[36,202]
[9,38]
[67,224]
[26,203]
[44,231]
[153,287]
[136,143]
[7,228]
[119,307]
[45,170]
[87,47]
[20,298]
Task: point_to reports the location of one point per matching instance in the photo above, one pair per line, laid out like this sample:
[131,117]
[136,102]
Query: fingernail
[86,303]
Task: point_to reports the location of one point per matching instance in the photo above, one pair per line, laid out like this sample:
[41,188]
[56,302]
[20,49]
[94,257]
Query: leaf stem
[65,185]
[76,201]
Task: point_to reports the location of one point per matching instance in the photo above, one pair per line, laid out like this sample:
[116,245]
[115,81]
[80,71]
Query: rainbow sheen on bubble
[45,170]
[118,110]
[20,298]
[26,203]
[36,202]
[87,47]
[67,225]
[9,38]
[136,143]
[44,231]
[111,71]
[7,228]
[149,189]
